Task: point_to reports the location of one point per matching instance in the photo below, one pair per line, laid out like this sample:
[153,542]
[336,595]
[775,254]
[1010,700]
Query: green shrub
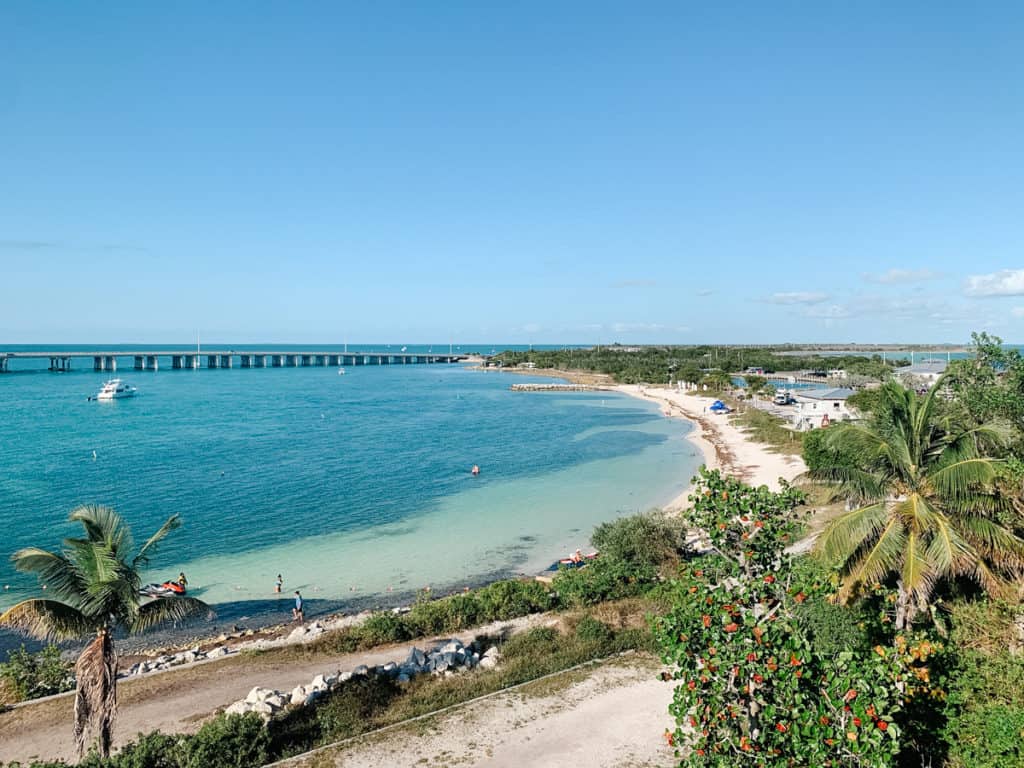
[227,741]
[509,599]
[644,541]
[985,725]
[353,708]
[381,628]
[590,630]
[819,452]
[152,750]
[447,614]
[604,579]
[32,675]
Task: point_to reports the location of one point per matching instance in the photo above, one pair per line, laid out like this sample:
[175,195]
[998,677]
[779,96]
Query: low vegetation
[769,429]
[27,675]
[707,364]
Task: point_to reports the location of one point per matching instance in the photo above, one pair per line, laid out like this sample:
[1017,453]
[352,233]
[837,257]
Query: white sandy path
[725,446]
[613,717]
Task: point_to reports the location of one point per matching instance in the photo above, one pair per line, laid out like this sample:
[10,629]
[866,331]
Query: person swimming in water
[475,470]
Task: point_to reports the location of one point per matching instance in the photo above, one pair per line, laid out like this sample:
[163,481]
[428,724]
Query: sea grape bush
[754,689]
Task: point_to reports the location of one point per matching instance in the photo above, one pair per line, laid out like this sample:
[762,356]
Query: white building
[922,375]
[820,407]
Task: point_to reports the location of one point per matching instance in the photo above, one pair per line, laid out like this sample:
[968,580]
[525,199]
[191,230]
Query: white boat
[341,371]
[115,389]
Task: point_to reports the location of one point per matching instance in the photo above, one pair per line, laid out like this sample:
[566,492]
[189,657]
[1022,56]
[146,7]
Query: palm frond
[843,535]
[958,481]
[103,525]
[166,609]
[876,561]
[55,571]
[47,620]
[988,579]
[998,545]
[917,574]
[849,483]
[142,558]
[948,551]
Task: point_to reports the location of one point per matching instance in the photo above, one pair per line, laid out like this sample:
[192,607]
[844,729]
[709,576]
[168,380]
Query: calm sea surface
[356,488]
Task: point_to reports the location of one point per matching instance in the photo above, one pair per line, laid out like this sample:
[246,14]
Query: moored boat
[115,389]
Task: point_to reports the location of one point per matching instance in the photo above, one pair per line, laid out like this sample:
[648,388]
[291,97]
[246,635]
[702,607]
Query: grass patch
[770,430]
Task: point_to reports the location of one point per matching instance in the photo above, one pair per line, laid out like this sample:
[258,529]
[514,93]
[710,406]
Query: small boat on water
[341,371]
[167,589]
[115,389]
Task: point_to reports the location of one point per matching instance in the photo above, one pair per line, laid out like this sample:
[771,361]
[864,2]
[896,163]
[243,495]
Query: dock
[558,388]
[107,359]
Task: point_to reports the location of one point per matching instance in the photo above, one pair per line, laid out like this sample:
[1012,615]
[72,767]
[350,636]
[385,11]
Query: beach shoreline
[725,446]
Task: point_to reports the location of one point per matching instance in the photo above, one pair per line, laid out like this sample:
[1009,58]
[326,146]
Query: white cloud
[902,276]
[1006,282]
[829,312]
[797,297]
[1017,311]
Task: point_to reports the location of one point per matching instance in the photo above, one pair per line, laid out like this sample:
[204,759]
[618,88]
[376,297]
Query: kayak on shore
[572,562]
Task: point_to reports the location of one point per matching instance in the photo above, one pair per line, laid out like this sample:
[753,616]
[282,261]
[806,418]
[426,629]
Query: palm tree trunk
[904,608]
[96,694]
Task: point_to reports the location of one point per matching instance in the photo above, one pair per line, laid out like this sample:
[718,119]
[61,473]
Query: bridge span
[107,359]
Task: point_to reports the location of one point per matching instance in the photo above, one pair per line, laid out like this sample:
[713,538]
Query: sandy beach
[724,446]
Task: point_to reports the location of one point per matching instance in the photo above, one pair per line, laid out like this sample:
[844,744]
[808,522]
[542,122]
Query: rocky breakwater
[450,657]
[306,633]
[169,661]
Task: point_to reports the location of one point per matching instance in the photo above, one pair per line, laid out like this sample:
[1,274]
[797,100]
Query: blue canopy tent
[718,406]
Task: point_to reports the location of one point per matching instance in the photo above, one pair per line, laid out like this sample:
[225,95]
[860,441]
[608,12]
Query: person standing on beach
[297,612]
[278,584]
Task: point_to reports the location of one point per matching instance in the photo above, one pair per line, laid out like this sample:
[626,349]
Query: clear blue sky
[511,172]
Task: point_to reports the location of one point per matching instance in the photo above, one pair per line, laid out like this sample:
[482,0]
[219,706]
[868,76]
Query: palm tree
[925,502]
[95,584]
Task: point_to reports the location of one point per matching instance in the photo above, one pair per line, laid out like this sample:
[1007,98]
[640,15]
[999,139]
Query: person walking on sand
[297,612]
[278,584]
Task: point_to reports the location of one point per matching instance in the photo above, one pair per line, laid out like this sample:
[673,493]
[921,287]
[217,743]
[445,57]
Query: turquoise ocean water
[355,488]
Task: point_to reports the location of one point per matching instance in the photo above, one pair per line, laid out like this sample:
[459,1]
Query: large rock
[451,647]
[319,683]
[390,669]
[488,662]
[276,701]
[238,708]
[257,695]
[361,671]
[299,694]
[416,658]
